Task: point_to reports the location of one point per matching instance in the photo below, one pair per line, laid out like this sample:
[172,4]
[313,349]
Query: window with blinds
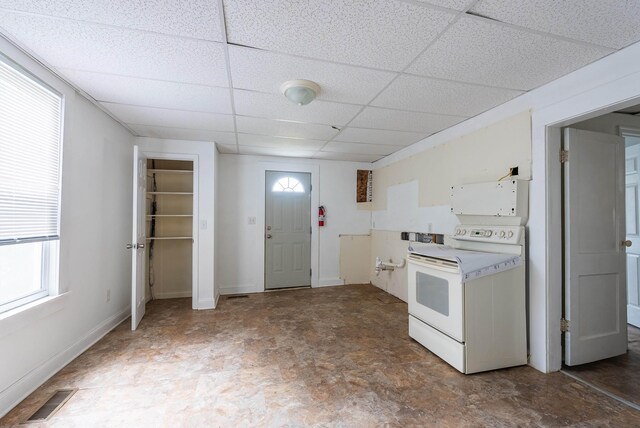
[30,148]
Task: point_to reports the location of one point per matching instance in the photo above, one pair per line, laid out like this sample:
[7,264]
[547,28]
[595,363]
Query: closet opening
[169,216]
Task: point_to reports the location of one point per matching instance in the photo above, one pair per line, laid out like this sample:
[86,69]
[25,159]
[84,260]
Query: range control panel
[498,234]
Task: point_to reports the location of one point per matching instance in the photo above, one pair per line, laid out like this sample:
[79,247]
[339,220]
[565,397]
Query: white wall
[239,198]
[604,86]
[95,226]
[206,153]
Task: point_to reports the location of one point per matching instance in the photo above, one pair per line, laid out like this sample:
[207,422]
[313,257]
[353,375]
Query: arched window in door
[288,184]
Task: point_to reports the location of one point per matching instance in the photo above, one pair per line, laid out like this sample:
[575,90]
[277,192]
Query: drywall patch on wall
[404,214]
[483,155]
[355,251]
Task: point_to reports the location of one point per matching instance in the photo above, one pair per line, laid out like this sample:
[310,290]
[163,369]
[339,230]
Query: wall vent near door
[53,404]
[237,296]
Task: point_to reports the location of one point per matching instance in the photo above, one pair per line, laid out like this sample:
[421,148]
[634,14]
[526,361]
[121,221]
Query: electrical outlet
[252,220]
[108,295]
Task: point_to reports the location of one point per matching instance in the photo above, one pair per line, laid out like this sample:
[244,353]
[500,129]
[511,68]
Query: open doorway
[602,252]
[164,259]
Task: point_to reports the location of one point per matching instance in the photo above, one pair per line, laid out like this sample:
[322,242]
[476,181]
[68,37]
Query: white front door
[287,229]
[632,163]
[138,237]
[594,235]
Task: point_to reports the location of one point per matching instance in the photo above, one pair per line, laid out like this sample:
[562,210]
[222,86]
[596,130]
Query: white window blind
[30,140]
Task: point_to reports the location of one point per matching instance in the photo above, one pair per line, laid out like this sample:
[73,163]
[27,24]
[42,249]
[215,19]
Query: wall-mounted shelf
[170,171]
[170,215]
[169,193]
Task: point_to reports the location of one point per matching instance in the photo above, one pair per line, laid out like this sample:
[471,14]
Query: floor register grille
[52,405]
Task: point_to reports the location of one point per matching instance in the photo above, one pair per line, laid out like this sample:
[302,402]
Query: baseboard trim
[239,289]
[206,304]
[329,282]
[14,394]
[172,295]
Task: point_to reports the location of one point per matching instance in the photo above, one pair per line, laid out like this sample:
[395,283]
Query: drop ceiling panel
[183,134]
[91,47]
[350,157]
[151,93]
[266,71]
[270,151]
[354,32]
[451,4]
[398,120]
[276,128]
[172,118]
[481,51]
[279,142]
[199,20]
[276,106]
[367,149]
[376,136]
[612,23]
[444,97]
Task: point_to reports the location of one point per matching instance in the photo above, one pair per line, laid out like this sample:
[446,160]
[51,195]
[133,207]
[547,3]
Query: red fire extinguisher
[322,213]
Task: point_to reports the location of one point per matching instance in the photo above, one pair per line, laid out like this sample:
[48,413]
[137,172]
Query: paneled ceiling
[392,72]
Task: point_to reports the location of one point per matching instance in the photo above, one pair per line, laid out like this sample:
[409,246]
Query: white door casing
[287,229]
[138,238]
[632,163]
[594,234]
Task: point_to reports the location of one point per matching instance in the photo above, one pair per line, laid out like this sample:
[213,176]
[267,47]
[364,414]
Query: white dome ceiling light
[300,92]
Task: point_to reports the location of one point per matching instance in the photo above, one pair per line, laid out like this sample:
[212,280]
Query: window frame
[50,251]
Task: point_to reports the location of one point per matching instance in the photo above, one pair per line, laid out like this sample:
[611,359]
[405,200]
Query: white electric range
[467,297]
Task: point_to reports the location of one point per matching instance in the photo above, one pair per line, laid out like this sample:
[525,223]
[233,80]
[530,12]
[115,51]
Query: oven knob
[502,233]
[463,232]
[510,234]
[488,233]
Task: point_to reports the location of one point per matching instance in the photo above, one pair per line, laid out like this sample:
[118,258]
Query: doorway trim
[195,283]
[314,170]
[545,247]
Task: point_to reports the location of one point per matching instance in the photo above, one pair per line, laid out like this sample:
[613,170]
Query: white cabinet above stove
[502,202]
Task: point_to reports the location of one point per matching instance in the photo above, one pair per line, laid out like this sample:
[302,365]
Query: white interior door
[138,238]
[594,235]
[632,163]
[288,229]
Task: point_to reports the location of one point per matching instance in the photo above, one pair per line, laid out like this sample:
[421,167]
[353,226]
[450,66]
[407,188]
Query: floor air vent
[237,296]
[53,404]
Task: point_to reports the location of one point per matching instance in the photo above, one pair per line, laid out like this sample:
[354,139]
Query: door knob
[268,227]
[268,236]
[130,246]
[627,243]
[140,245]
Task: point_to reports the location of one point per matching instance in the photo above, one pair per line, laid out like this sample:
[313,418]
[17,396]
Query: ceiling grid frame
[223,28]
[177,29]
[452,22]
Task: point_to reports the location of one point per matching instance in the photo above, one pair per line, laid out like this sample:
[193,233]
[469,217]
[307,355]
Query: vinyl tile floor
[618,375]
[335,356]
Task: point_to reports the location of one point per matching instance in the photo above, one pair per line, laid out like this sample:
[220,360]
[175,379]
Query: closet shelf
[169,171]
[168,238]
[169,193]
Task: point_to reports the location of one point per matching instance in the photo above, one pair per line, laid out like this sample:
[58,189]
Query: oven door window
[433,292]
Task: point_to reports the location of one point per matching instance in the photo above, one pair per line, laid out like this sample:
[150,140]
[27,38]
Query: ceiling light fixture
[300,92]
